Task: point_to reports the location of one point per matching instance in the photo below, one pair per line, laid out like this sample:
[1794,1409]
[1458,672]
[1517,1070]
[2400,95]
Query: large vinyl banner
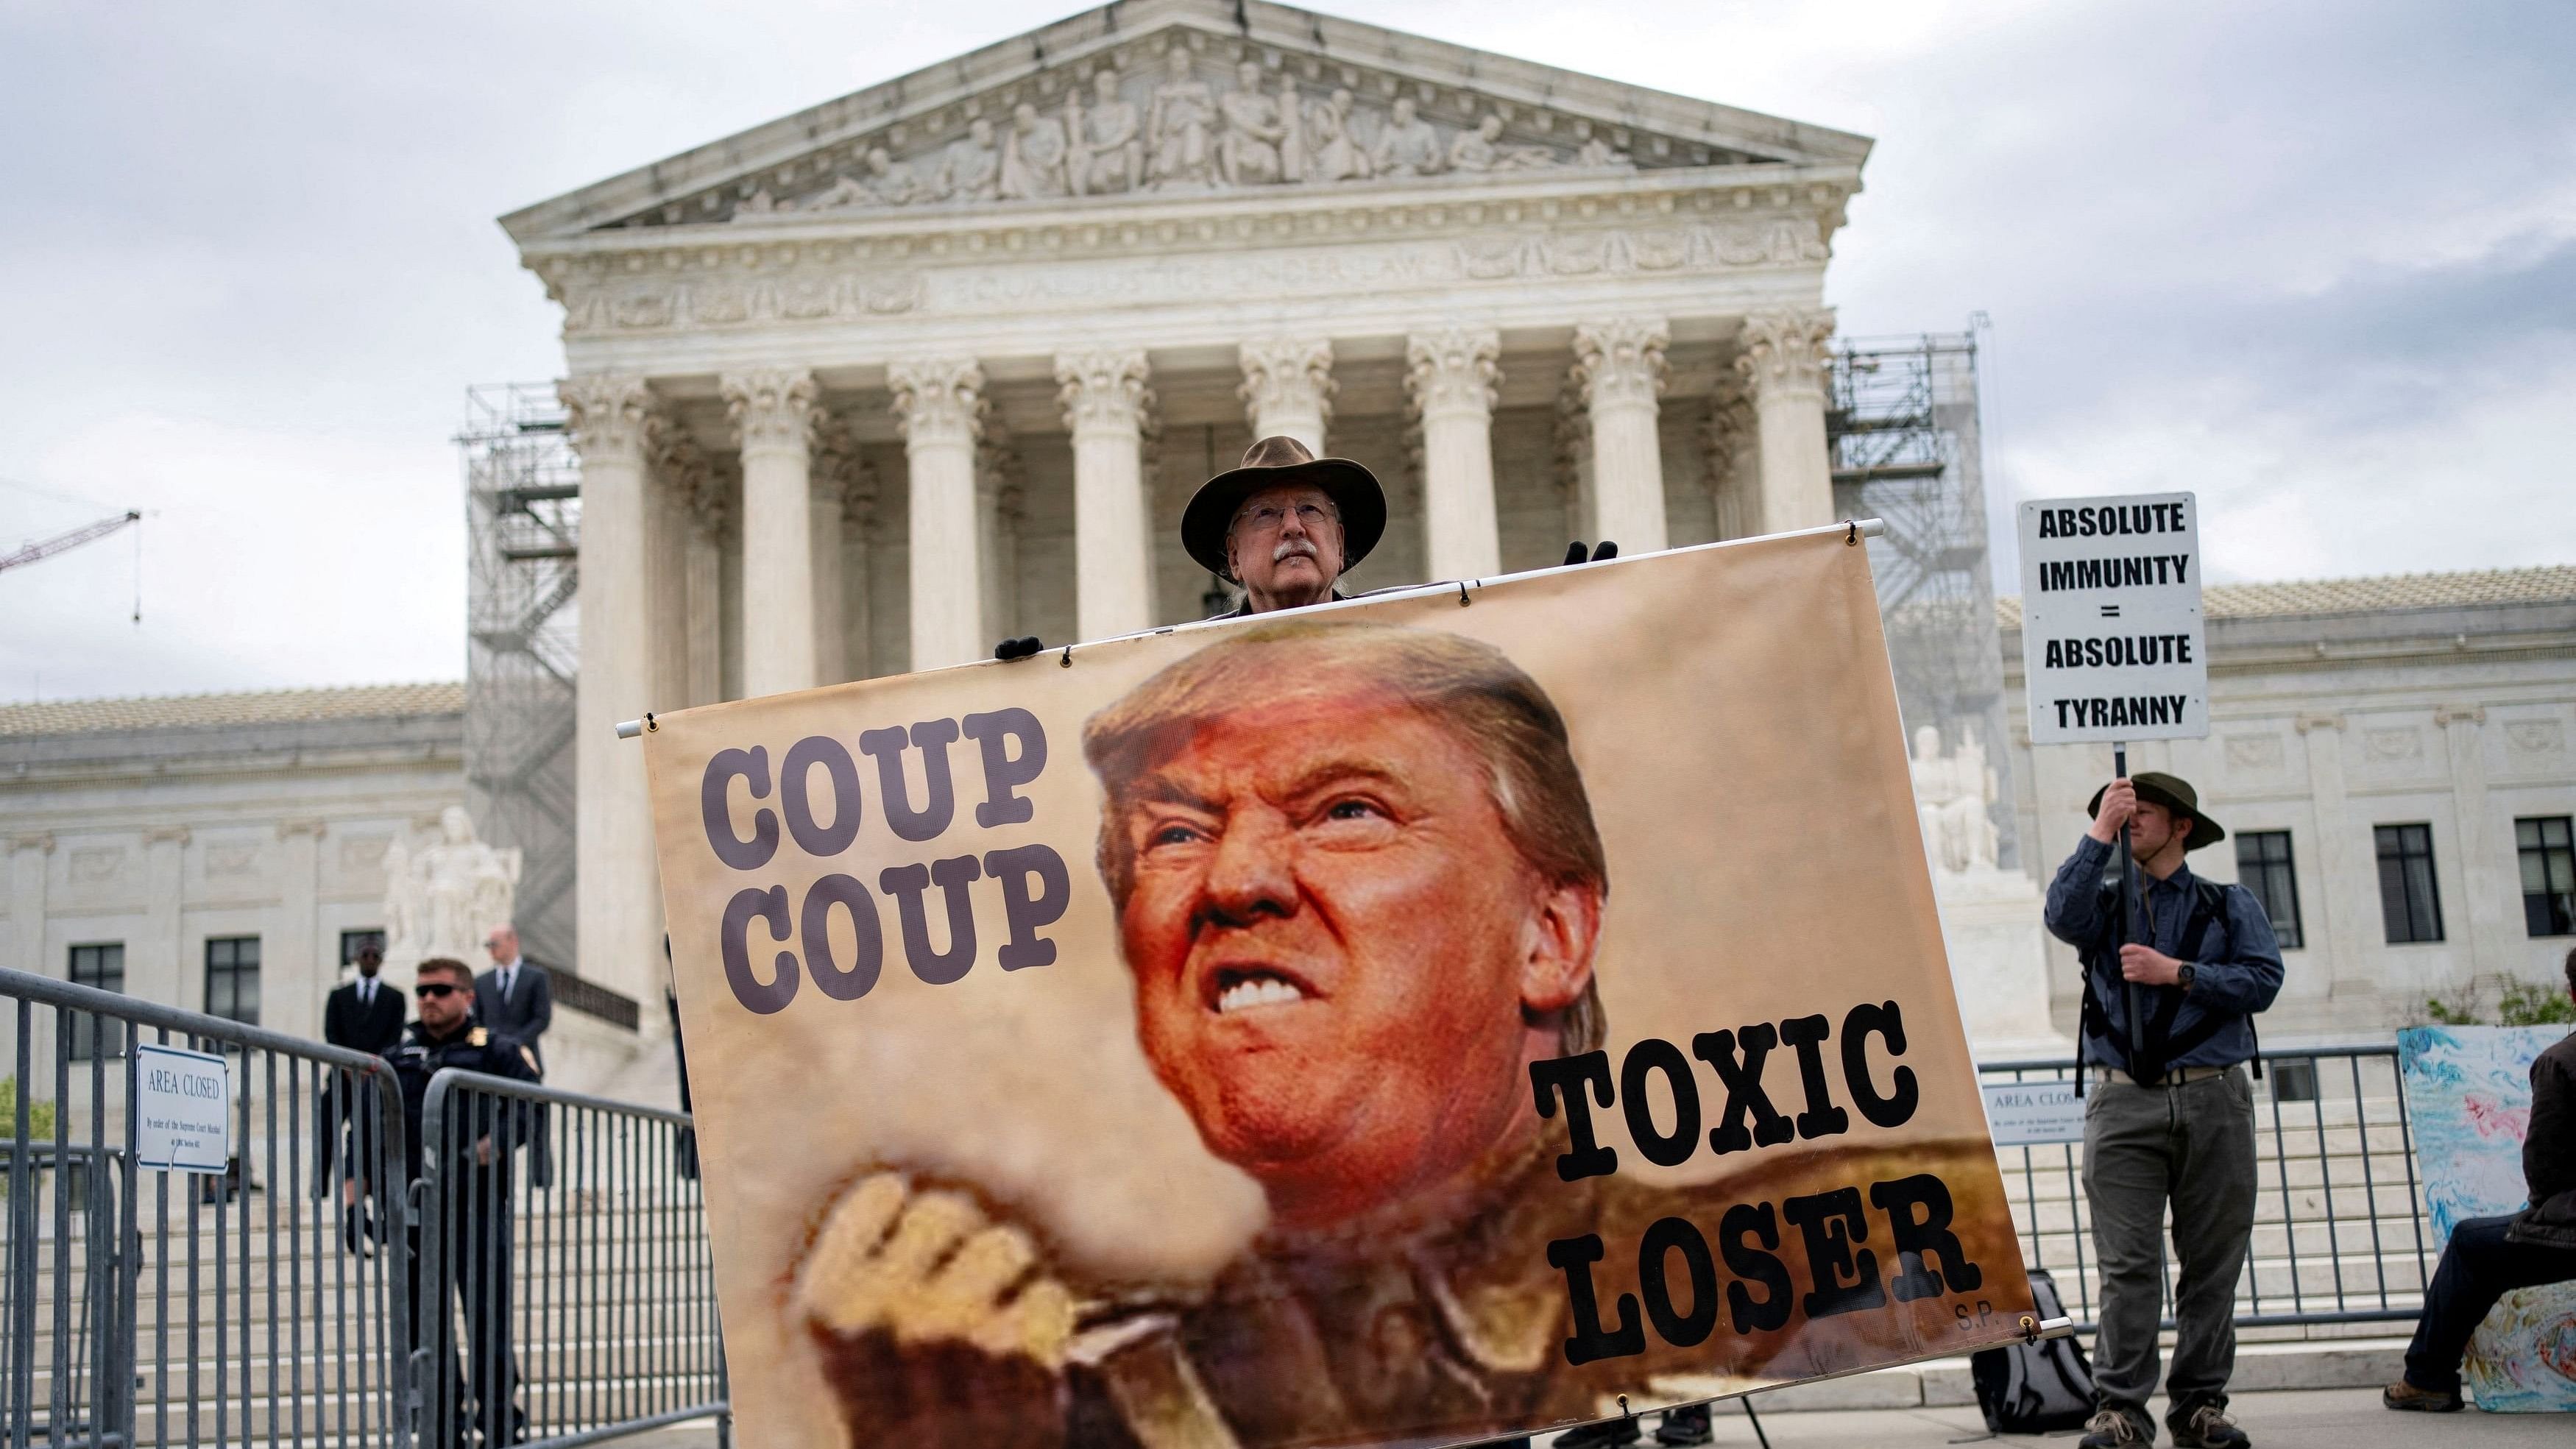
[1415,1019]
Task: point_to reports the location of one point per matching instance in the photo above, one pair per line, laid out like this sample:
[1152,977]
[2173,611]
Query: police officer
[475,1228]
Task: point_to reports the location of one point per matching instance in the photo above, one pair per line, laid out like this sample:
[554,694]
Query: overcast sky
[2315,261]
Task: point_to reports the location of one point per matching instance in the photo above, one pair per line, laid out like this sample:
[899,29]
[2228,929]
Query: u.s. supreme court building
[954,350]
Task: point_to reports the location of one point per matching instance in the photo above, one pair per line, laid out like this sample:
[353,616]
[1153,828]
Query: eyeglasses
[432,990]
[1268,518]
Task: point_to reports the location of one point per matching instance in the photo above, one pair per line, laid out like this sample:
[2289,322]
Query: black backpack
[2033,1388]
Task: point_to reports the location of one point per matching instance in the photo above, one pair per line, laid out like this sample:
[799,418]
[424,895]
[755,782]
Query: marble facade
[947,355]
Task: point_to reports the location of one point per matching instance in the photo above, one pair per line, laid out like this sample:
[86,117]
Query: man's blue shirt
[2235,972]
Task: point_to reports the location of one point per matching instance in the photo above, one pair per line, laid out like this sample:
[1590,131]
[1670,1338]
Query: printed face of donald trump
[1345,951]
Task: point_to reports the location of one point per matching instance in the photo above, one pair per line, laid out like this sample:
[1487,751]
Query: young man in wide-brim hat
[2171,1123]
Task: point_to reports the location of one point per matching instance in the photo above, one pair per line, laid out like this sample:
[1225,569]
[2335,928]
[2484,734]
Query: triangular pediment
[1172,99]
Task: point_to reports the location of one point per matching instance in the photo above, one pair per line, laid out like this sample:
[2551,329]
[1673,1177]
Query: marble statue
[1292,131]
[444,899]
[1598,152]
[1033,157]
[970,169]
[1408,146]
[1108,152]
[1176,129]
[1335,154]
[1247,151]
[890,181]
[1482,150]
[1952,794]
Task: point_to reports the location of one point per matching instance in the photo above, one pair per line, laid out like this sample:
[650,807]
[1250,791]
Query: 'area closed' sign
[2112,640]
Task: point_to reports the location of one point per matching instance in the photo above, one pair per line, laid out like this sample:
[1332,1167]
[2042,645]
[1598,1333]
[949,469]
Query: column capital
[2308,723]
[42,840]
[1620,361]
[1728,426]
[609,414]
[693,478]
[314,826]
[1286,375]
[1103,392]
[1786,350]
[2451,714]
[841,474]
[772,408]
[938,400]
[1453,371]
[175,834]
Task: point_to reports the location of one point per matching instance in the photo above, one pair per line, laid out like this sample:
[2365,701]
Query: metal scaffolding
[1901,429]
[523,621]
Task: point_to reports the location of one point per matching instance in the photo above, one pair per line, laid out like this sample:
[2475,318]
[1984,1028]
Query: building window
[2409,900]
[352,942]
[2263,867]
[2548,846]
[102,966]
[232,978]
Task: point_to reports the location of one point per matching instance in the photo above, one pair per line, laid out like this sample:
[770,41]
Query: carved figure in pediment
[1598,152]
[758,203]
[1108,152]
[889,181]
[1336,154]
[1033,158]
[970,169]
[1247,150]
[1184,110]
[844,192]
[1408,146]
[1293,158]
[1482,149]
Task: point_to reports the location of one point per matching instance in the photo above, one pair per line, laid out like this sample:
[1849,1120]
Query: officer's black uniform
[475,1237]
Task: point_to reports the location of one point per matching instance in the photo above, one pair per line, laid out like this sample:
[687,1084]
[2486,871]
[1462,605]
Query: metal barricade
[2340,1231]
[148,1306]
[568,1287]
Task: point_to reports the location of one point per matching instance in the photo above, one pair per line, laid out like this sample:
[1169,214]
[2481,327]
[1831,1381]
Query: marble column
[619,906]
[678,469]
[773,412]
[299,975]
[708,510]
[858,564]
[1619,365]
[939,404]
[1783,363]
[2348,874]
[836,460]
[1727,444]
[999,501]
[1288,389]
[29,878]
[154,968]
[1106,403]
[2488,906]
[1450,377]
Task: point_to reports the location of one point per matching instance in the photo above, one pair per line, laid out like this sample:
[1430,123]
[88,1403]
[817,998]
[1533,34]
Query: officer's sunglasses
[432,990]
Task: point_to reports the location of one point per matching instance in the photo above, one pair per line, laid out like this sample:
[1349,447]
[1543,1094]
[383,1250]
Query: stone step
[2347,1363]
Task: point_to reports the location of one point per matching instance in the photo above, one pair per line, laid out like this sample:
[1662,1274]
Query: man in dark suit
[516,999]
[366,1015]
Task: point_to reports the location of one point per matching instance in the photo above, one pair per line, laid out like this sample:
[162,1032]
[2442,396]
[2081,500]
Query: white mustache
[1289,547]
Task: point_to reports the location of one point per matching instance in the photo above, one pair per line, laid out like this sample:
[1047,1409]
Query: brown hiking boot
[2404,1395]
[2111,1428]
[2206,1427]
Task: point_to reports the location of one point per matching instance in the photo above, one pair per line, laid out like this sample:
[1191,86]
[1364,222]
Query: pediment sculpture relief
[1175,131]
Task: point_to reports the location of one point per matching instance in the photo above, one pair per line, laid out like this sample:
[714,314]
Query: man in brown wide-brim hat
[2170,1127]
[1285,525]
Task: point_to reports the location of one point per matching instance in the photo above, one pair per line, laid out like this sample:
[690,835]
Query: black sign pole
[2136,1022]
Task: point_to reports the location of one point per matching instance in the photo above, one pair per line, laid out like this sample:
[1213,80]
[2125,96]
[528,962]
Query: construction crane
[45,548]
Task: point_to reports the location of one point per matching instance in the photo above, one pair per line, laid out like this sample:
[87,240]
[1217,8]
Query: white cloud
[251,265]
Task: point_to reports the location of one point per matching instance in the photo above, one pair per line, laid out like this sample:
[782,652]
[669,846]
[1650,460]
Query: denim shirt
[2235,972]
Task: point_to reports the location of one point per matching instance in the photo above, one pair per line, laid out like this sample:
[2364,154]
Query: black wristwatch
[2183,978]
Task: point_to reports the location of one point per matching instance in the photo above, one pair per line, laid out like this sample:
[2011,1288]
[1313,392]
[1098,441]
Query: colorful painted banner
[2468,1091]
[1416,1019]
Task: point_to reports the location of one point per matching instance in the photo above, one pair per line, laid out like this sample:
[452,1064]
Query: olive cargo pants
[2192,1146]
